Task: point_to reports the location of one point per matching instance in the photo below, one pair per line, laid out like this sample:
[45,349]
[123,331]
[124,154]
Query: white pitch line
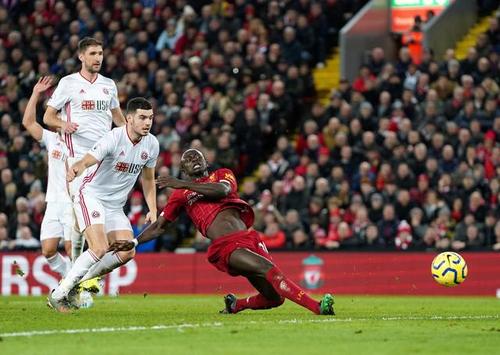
[182,326]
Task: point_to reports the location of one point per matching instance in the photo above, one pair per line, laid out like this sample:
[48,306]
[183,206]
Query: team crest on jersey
[95,214]
[144,155]
[211,177]
[105,91]
[56,154]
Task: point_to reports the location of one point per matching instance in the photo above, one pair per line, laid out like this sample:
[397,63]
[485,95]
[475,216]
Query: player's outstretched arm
[214,190]
[153,231]
[29,117]
[149,188]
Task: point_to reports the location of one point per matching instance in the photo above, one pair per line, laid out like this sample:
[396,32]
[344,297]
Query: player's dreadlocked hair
[87,42]
[138,103]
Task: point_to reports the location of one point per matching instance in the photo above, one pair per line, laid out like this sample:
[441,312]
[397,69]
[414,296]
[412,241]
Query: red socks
[288,289]
[256,302]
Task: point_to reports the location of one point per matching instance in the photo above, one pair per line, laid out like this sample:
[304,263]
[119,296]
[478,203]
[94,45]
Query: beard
[91,69]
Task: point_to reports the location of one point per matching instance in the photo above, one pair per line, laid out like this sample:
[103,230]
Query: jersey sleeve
[227,176]
[103,146]
[174,206]
[155,150]
[60,96]
[114,97]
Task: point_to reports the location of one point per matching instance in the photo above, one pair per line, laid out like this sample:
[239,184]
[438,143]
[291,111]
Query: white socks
[109,262]
[77,243]
[80,267]
[58,264]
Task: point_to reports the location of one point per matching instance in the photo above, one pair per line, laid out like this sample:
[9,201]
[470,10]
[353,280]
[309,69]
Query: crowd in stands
[407,156]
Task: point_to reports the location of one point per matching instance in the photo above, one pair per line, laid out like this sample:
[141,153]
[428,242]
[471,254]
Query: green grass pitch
[188,324]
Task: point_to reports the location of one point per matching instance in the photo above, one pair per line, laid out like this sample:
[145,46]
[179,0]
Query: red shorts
[221,249]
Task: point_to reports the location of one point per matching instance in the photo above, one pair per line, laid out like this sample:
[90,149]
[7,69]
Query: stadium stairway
[470,38]
[328,77]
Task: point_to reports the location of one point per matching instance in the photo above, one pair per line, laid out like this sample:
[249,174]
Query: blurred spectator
[273,237]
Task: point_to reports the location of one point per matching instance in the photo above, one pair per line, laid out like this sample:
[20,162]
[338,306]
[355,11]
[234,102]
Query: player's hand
[169,181]
[150,217]
[72,173]
[69,127]
[42,85]
[121,245]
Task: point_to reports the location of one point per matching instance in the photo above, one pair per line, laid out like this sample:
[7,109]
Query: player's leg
[67,248]
[56,261]
[91,216]
[111,260]
[265,299]
[77,243]
[50,234]
[117,228]
[75,235]
[251,264]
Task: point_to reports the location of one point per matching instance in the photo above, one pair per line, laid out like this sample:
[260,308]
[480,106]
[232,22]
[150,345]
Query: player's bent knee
[49,252]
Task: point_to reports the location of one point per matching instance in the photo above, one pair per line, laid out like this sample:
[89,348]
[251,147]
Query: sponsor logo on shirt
[96,214]
[99,105]
[129,168]
[192,197]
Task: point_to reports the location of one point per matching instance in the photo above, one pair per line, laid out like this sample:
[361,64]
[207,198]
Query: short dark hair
[138,103]
[87,42]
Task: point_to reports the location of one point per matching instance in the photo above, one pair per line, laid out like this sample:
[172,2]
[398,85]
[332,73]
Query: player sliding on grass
[212,203]
[120,156]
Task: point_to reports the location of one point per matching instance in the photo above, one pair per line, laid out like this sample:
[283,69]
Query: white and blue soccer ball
[449,269]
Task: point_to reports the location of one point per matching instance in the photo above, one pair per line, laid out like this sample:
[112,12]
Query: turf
[192,325]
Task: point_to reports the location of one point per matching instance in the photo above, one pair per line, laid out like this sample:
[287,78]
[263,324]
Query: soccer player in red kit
[212,202]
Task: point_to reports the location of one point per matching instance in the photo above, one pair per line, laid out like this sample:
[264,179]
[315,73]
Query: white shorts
[74,186]
[90,210]
[58,221]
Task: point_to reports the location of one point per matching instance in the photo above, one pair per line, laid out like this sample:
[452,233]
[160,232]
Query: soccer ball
[449,269]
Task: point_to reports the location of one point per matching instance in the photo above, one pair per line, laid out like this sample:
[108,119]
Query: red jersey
[203,211]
